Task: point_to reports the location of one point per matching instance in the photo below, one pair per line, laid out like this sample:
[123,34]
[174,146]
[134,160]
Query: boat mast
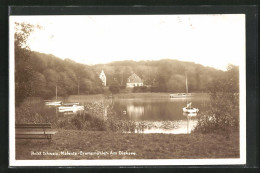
[186,87]
[186,83]
[56,93]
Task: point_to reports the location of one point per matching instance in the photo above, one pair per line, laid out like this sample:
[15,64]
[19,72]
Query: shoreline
[133,95]
[95,97]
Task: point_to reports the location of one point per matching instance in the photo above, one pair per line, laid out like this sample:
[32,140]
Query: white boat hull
[190,110]
[190,114]
[53,103]
[180,95]
[73,108]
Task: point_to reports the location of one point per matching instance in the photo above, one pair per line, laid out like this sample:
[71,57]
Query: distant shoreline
[129,95]
[97,97]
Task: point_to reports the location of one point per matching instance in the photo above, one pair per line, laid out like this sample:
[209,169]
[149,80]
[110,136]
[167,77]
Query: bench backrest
[26,126]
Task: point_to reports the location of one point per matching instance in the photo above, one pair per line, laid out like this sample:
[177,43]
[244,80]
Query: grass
[143,146]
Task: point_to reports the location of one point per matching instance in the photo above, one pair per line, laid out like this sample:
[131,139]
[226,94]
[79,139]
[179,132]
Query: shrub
[114,89]
[155,89]
[76,122]
[141,89]
[83,122]
[222,114]
[96,124]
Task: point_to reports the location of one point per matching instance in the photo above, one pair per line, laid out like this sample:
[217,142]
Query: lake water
[145,113]
[161,111]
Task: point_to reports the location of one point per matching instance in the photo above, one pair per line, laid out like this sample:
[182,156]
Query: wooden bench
[34,131]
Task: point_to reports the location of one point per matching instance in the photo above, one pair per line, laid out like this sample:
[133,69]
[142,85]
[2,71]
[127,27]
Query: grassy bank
[137,146]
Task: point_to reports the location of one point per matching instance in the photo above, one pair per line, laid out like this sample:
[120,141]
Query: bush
[141,89]
[95,124]
[122,87]
[155,89]
[222,114]
[83,122]
[114,89]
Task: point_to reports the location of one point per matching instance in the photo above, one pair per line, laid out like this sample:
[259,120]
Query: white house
[103,78]
[134,81]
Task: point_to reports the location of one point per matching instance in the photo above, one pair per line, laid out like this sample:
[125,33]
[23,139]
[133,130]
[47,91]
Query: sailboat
[189,109]
[53,102]
[182,95]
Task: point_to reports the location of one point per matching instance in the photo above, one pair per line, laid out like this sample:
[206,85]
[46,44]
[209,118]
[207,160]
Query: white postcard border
[139,162]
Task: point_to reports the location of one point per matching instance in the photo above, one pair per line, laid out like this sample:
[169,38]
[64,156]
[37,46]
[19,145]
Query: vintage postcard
[127,90]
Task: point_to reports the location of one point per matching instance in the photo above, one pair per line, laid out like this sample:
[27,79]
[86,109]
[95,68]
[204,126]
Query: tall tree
[23,68]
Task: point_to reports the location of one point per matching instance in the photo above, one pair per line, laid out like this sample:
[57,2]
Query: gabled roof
[134,79]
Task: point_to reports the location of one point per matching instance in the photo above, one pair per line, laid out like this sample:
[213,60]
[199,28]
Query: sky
[211,40]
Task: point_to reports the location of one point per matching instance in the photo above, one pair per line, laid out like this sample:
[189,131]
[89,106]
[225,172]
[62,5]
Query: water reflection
[160,110]
[134,111]
[191,123]
[157,115]
[155,109]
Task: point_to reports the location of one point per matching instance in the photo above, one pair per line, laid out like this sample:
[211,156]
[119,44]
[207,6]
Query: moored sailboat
[182,95]
[53,102]
[189,108]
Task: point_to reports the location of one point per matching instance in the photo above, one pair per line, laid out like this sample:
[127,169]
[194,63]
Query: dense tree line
[163,75]
[38,74]
[46,72]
